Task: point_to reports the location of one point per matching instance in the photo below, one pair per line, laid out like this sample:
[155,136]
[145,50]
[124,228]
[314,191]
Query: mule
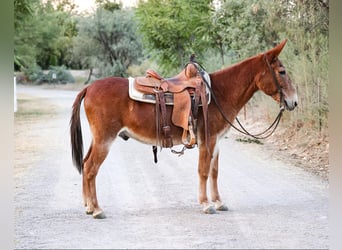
[111,112]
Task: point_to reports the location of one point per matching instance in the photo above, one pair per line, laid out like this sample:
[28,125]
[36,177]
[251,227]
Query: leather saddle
[185,91]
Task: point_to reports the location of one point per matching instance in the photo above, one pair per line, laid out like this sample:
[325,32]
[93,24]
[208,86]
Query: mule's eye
[282,72]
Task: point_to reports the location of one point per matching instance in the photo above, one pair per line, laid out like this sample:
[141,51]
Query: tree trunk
[89,76]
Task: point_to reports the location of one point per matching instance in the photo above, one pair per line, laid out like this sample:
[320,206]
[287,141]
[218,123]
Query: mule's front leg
[215,196]
[203,173]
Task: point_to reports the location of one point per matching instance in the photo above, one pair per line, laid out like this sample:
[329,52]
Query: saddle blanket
[150,98]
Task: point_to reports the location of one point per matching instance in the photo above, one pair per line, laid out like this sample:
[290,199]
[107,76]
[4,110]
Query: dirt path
[272,204]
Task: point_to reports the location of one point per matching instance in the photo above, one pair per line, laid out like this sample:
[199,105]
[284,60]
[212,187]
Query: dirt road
[271,203]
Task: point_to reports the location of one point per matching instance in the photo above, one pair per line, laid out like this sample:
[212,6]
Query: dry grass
[31,111]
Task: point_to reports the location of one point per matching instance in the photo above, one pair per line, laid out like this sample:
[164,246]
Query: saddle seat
[186,88]
[187,78]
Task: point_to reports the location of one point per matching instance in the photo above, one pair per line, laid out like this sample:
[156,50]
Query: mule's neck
[234,86]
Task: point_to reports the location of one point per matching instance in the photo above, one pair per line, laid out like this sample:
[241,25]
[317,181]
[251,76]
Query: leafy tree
[43,34]
[246,27]
[108,5]
[22,10]
[172,29]
[108,41]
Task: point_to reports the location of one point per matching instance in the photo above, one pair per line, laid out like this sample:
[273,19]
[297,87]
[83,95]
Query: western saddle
[186,92]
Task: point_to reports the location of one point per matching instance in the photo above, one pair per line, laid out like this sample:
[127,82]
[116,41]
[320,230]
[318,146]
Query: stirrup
[189,143]
[179,153]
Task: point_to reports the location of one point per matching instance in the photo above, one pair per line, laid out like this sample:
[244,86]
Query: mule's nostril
[295,103]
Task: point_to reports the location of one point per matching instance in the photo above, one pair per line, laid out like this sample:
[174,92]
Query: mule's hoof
[89,212]
[209,210]
[222,207]
[99,215]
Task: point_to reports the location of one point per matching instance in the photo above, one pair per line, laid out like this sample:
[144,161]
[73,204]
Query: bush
[56,74]
[35,74]
[59,74]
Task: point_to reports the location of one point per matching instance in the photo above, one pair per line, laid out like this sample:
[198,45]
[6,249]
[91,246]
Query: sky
[89,4]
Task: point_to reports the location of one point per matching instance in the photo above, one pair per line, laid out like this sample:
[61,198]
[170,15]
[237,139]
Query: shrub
[60,74]
[35,74]
[56,74]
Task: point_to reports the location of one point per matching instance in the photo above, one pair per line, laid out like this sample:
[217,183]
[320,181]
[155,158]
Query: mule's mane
[235,83]
[236,66]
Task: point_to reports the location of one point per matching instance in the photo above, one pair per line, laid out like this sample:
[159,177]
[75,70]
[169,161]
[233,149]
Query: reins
[271,128]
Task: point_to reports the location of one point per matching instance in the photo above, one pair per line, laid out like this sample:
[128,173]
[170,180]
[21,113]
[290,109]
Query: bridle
[268,131]
[276,82]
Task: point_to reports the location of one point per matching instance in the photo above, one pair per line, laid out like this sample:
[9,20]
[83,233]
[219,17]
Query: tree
[108,41]
[245,27]
[22,10]
[172,29]
[108,5]
[43,34]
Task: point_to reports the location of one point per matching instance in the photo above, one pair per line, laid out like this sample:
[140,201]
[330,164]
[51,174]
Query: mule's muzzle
[291,103]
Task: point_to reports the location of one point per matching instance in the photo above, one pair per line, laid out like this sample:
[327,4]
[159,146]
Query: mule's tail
[76,132]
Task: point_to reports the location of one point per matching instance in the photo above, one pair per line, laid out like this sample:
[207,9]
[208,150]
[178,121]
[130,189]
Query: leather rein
[268,131]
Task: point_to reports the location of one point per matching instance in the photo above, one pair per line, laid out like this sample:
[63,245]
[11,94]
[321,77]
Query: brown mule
[110,112]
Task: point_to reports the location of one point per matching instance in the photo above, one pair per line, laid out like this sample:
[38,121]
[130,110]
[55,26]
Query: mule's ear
[276,50]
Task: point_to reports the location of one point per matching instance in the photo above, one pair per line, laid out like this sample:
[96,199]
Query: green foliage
[44,36]
[172,29]
[35,74]
[24,52]
[140,69]
[108,41]
[56,74]
[108,5]
[59,74]
[22,10]
[244,28]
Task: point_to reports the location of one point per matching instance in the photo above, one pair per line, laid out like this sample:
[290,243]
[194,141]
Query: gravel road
[271,203]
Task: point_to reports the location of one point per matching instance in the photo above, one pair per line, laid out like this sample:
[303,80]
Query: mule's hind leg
[215,196]
[85,188]
[96,155]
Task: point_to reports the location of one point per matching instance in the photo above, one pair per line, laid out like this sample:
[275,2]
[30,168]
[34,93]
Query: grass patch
[77,86]
[31,109]
[249,140]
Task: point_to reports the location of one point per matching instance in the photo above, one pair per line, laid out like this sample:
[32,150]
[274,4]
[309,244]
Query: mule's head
[274,80]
